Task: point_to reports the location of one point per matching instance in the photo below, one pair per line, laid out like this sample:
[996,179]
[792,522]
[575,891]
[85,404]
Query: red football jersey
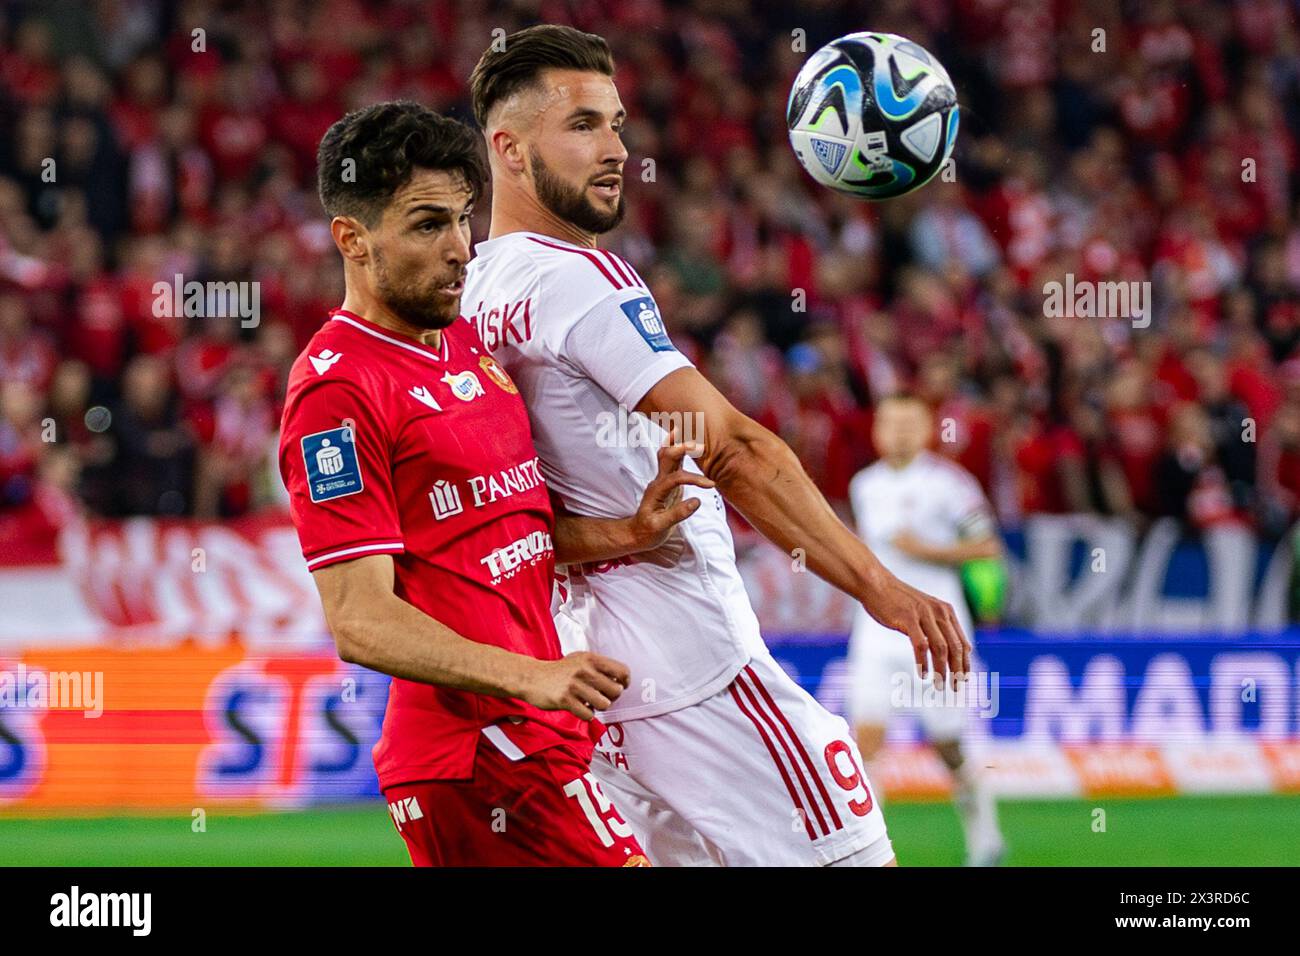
[390,446]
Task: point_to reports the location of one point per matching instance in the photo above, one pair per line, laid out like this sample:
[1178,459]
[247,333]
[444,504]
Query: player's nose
[458,247]
[614,152]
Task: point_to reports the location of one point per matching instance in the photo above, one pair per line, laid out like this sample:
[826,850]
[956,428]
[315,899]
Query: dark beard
[420,309]
[571,205]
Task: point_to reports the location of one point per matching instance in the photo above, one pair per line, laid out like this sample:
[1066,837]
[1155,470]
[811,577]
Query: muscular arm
[763,479]
[758,473]
[579,539]
[373,627]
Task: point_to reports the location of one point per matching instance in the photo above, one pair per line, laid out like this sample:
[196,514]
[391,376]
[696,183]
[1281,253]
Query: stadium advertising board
[182,665]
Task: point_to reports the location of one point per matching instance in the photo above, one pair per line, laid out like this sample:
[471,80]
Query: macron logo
[325,361]
[425,397]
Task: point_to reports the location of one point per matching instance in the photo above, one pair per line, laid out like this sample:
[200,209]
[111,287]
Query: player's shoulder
[338,354]
[942,468]
[596,271]
[871,471]
[866,477]
[565,270]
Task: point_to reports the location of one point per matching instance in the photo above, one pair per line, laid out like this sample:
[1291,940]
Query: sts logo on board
[22,747]
[292,730]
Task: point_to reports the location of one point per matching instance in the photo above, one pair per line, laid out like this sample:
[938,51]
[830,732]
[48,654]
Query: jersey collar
[525,234]
[391,337]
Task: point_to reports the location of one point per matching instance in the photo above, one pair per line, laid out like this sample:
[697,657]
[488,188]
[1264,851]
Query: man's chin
[601,219]
[439,322]
[429,321]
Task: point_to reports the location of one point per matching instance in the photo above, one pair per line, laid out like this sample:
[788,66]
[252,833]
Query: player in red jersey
[427,524]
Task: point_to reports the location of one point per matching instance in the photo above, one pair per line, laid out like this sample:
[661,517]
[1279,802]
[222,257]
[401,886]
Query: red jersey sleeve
[336,462]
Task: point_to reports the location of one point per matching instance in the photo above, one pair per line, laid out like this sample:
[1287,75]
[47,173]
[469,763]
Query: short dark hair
[501,73]
[387,142]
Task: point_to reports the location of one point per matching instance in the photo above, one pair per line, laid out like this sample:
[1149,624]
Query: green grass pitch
[1182,831]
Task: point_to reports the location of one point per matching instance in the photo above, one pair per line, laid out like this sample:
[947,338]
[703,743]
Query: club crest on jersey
[644,315]
[464,385]
[492,368]
[332,468]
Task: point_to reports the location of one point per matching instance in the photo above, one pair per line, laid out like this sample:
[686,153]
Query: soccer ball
[873,115]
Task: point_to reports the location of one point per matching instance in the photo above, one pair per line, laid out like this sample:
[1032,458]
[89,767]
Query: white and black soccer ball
[873,115]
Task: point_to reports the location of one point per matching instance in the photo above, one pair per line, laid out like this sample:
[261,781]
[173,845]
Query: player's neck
[508,217]
[372,310]
[899,462]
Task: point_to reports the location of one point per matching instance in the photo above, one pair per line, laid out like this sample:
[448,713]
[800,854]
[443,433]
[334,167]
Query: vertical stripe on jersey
[776,759]
[821,787]
[794,762]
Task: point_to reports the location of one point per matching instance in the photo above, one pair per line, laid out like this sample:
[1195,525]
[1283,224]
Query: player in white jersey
[924,516]
[716,755]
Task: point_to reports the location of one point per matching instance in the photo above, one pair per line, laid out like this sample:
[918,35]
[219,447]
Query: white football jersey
[935,499]
[581,335]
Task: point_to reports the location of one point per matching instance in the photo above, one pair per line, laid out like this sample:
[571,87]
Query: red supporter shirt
[435,466]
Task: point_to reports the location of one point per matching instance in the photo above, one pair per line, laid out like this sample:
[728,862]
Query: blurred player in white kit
[714,754]
[924,516]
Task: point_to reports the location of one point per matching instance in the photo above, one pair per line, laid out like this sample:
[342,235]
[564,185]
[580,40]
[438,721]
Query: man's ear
[508,149]
[351,238]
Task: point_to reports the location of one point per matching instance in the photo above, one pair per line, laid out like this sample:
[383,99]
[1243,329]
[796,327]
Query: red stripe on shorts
[789,754]
[776,759]
[821,787]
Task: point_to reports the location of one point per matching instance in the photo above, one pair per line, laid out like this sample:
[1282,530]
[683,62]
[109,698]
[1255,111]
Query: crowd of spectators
[1149,141]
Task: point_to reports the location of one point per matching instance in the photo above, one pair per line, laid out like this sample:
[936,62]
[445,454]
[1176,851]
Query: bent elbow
[348,640]
[349,652]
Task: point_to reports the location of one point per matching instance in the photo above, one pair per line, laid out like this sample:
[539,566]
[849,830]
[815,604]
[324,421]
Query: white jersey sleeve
[968,509]
[621,344]
[858,497]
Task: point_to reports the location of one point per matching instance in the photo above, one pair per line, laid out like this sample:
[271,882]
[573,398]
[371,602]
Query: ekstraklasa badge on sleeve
[332,467]
[643,313]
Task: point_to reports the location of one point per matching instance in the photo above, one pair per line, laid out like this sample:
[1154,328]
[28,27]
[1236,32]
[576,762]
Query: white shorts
[760,774]
[883,684]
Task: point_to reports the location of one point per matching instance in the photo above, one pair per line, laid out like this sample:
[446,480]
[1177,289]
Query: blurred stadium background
[1147,478]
